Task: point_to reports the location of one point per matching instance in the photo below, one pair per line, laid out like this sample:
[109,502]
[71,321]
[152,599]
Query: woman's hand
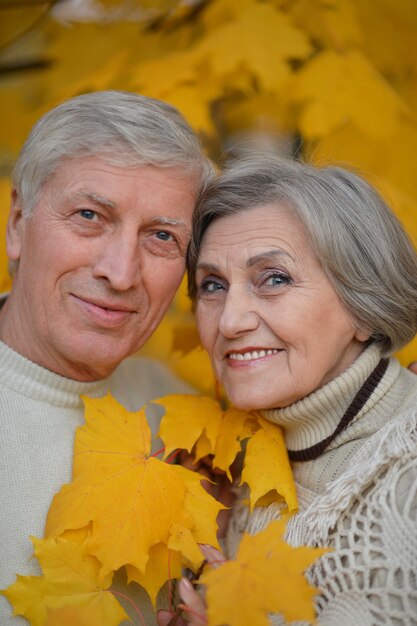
[193,605]
[413,367]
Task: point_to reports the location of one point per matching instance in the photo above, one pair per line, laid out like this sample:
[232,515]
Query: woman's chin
[256,403]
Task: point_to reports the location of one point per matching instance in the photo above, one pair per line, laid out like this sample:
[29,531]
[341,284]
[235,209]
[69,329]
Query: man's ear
[14,228]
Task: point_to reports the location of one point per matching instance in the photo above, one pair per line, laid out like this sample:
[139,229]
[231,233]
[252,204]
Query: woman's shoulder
[385,466]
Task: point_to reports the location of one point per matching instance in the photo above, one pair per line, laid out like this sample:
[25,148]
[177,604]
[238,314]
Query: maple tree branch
[33,24]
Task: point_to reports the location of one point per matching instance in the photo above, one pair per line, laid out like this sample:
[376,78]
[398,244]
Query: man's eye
[163,235]
[88,214]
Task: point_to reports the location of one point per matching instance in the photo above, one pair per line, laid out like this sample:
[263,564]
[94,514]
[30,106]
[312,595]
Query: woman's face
[268,316]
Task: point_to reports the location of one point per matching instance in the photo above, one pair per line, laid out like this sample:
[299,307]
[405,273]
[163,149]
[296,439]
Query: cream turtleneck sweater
[359,497]
[39,412]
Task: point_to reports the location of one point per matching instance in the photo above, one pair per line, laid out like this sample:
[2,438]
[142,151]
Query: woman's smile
[268,316]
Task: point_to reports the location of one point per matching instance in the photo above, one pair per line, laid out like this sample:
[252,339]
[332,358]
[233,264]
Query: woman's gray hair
[125,129]
[361,245]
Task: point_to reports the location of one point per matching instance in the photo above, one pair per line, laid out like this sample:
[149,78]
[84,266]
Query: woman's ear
[362,335]
[14,228]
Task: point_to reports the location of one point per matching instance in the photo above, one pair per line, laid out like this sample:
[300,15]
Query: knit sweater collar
[315,417]
[33,381]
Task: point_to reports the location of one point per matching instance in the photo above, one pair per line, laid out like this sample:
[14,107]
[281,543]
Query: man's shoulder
[137,380]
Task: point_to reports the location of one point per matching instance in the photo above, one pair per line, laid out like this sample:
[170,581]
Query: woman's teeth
[253,354]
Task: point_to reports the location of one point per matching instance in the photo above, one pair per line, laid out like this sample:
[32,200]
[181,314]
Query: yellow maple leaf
[186,418]
[198,524]
[5,280]
[336,88]
[215,431]
[163,564]
[71,581]
[333,24]
[129,498]
[266,577]
[390,35]
[408,354]
[161,75]
[201,512]
[267,468]
[236,426]
[349,145]
[269,40]
[195,368]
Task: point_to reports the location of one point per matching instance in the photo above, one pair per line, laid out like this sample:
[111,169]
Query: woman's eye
[277,279]
[88,214]
[210,286]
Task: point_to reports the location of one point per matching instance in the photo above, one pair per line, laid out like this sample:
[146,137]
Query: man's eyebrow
[265,256]
[97,199]
[161,219]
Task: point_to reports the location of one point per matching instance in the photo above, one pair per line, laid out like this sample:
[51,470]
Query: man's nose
[118,262]
[239,314]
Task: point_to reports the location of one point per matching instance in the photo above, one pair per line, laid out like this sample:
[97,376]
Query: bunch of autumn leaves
[127,508]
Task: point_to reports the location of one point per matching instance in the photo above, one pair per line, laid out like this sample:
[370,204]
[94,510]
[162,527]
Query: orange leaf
[266,577]
[71,585]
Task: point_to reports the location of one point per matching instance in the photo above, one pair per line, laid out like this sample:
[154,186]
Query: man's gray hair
[125,129]
[359,242]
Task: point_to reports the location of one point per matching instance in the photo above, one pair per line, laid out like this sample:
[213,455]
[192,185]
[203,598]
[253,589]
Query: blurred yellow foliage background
[333,80]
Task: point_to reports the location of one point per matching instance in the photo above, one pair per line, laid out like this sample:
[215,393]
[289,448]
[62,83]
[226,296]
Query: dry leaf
[266,577]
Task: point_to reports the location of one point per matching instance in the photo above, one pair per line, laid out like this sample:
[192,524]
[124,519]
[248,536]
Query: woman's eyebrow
[208,267]
[265,256]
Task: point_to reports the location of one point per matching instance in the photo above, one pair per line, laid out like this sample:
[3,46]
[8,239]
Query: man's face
[100,260]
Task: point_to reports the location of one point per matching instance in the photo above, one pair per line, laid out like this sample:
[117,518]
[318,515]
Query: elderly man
[103,194]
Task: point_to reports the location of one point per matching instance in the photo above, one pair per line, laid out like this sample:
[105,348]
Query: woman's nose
[239,314]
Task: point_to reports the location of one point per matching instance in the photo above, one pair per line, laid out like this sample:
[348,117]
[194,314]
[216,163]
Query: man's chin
[95,361]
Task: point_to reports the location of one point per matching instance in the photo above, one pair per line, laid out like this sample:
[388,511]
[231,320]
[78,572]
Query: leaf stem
[136,608]
[171,610]
[158,452]
[186,608]
[172,456]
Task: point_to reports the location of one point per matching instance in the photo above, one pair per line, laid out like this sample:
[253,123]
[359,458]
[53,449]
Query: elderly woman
[304,284]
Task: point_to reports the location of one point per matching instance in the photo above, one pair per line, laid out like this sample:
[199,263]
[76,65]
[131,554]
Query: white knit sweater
[39,412]
[359,497]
